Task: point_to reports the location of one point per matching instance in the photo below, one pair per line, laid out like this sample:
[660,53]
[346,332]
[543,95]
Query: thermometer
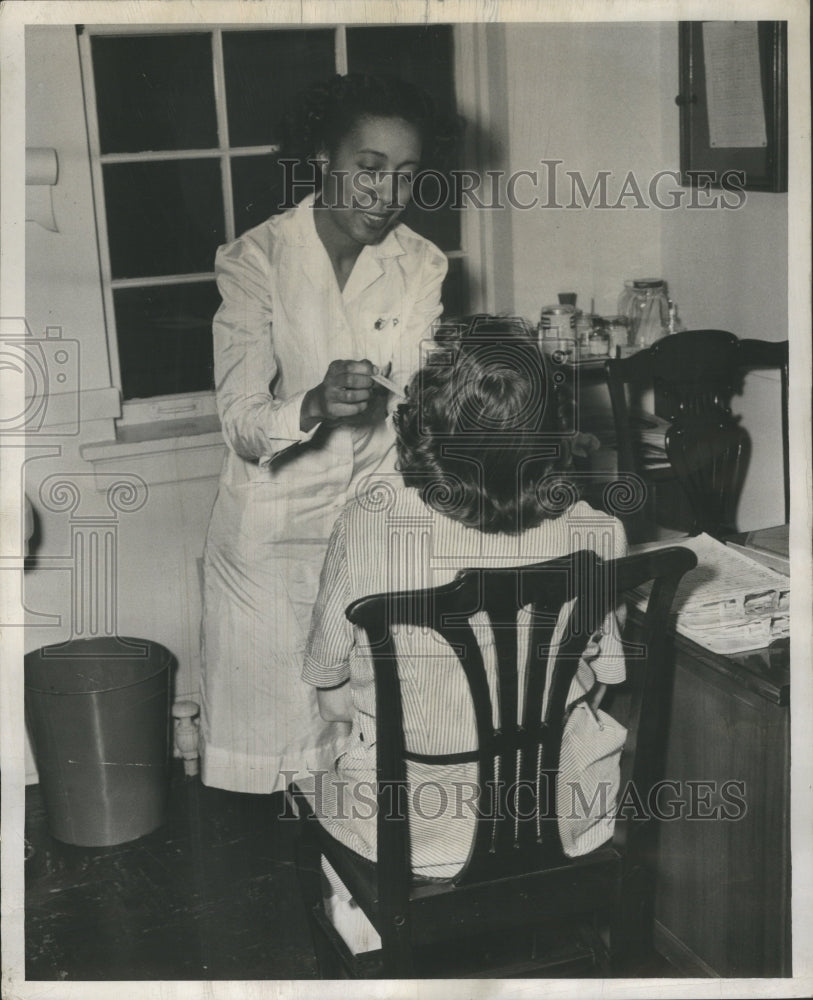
[390,386]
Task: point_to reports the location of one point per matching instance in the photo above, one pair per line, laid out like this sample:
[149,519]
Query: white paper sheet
[733,84]
[41,173]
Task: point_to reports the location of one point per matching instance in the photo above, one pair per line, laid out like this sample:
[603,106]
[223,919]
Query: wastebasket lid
[92,666]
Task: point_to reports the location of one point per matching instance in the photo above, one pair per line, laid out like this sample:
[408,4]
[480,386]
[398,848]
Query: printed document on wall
[734,84]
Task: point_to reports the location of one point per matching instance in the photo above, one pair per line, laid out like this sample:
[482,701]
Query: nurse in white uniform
[314,302]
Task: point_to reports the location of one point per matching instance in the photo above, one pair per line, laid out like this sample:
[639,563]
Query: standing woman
[315,301]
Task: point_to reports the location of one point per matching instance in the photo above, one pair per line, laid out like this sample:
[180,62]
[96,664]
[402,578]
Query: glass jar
[599,346]
[556,322]
[645,304]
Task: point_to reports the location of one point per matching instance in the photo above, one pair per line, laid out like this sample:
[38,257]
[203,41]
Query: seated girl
[463,503]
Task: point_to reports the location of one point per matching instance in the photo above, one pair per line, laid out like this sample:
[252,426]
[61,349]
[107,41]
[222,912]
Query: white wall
[585,94]
[601,97]
[156,591]
[729,271]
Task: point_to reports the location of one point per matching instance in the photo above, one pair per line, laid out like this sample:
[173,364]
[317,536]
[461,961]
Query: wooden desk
[723,892]
[723,889]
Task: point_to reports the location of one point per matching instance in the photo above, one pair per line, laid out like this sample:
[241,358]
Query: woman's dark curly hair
[324,114]
[480,432]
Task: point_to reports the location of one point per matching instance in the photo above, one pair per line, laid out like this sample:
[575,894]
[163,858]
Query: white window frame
[191,405]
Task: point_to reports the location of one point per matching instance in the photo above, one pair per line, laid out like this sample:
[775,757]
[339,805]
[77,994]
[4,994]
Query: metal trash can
[98,712]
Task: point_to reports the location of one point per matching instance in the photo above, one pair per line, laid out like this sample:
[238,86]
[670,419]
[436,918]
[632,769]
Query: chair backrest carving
[709,455]
[518,758]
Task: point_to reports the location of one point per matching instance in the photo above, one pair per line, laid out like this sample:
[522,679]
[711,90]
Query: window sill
[168,451]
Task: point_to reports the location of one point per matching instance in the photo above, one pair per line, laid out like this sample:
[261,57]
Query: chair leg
[309,873]
[396,946]
[328,962]
[591,937]
[631,922]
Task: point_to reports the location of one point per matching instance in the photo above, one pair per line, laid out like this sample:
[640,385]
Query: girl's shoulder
[381,501]
[583,511]
[597,527]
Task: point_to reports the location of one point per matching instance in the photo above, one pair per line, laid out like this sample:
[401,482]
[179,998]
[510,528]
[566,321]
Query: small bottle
[675,323]
[584,329]
[618,329]
[599,343]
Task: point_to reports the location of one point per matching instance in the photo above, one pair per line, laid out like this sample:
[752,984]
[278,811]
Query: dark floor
[210,895]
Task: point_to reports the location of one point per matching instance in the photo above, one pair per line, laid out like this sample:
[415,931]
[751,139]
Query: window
[182,136]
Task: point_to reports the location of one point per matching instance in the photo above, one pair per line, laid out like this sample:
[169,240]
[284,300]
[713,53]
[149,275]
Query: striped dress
[401,544]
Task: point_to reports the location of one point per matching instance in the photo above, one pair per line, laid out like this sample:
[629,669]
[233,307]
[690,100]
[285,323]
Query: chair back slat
[495,741]
[710,457]
[518,734]
[391,828]
[500,605]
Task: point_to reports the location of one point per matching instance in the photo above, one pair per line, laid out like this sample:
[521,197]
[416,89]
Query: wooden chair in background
[517,879]
[707,455]
[694,376]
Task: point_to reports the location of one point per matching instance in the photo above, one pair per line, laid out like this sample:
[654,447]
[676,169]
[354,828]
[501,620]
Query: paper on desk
[729,603]
[733,84]
[781,563]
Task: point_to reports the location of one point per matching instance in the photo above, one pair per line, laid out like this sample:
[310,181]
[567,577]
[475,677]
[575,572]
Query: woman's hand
[335,704]
[584,672]
[342,394]
[584,445]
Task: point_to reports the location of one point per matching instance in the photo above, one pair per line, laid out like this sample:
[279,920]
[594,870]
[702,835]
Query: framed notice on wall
[733,104]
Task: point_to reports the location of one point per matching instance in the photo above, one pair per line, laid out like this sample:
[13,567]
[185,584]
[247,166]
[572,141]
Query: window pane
[264,72]
[165,338]
[163,218]
[423,56]
[263,187]
[454,294]
[154,92]
[431,215]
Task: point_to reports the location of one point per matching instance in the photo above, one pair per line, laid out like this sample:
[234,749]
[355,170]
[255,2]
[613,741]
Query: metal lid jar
[645,304]
[557,321]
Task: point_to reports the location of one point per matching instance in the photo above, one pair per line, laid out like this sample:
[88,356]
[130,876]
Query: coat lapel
[371,264]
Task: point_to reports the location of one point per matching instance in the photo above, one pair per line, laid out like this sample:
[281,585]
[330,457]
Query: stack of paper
[768,546]
[729,603]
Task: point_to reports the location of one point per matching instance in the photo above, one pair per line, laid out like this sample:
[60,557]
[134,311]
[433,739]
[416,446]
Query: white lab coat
[282,321]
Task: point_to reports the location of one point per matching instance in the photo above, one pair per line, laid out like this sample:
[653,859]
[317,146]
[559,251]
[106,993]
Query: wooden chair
[707,455]
[694,376]
[517,881]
